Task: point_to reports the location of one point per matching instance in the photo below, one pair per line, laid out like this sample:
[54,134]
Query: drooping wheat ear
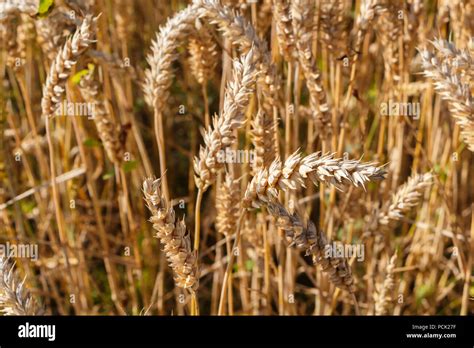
[298,171]
[107,128]
[221,135]
[383,296]
[9,7]
[61,67]
[315,242]
[227,205]
[14,297]
[263,129]
[407,197]
[302,15]
[284,30]
[203,55]
[241,33]
[333,18]
[159,76]
[448,83]
[174,236]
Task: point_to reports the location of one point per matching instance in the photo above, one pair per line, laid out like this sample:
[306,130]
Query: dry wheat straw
[298,171]
[221,135]
[14,297]
[61,67]
[173,234]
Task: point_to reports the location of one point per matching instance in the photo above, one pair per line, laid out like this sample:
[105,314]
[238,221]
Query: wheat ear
[450,86]
[383,298]
[241,33]
[263,130]
[284,30]
[203,55]
[312,240]
[107,128]
[333,21]
[159,76]
[221,135]
[297,171]
[174,236]
[61,67]
[227,205]
[407,196]
[14,297]
[302,15]
[11,7]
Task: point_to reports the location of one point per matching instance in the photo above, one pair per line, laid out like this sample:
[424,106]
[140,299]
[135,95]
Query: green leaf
[27,206]
[110,174]
[76,78]
[91,142]
[44,6]
[129,166]
[138,105]
[423,291]
[249,265]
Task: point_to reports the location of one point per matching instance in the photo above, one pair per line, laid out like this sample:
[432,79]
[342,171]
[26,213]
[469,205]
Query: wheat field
[236,157]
